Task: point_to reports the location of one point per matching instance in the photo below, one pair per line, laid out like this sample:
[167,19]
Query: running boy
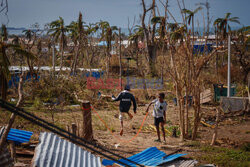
[125,98]
[159,114]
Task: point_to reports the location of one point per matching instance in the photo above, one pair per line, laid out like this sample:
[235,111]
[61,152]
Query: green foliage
[225,156]
[223,23]
[58,90]
[241,90]
[245,147]
[195,144]
[37,103]
[171,128]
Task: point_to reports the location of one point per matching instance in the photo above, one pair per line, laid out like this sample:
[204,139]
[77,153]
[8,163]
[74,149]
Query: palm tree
[78,36]
[4,61]
[28,34]
[177,33]
[137,35]
[207,6]
[190,17]
[223,27]
[91,28]
[58,30]
[5,75]
[223,24]
[108,33]
[162,28]
[172,27]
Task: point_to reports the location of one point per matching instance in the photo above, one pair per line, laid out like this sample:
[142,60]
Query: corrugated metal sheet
[5,158]
[149,157]
[18,136]
[52,151]
[180,163]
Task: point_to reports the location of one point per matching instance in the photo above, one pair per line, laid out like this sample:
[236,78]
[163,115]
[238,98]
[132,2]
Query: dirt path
[231,133]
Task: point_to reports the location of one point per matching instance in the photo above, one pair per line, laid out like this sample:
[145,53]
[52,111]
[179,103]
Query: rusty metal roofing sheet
[53,151]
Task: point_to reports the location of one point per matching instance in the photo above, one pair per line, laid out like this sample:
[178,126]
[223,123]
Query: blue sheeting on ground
[18,136]
[149,157]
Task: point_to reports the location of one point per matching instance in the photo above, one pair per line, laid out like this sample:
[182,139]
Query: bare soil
[233,131]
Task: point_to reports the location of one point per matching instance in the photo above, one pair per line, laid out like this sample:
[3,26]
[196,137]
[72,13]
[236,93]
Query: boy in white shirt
[159,114]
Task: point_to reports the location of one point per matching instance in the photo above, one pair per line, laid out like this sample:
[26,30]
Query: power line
[60,131]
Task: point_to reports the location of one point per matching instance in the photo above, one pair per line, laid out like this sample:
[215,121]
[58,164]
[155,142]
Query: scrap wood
[24,152]
[174,152]
[207,124]
[153,127]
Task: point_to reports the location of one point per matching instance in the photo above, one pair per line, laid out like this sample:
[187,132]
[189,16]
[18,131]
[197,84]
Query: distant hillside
[19,31]
[15,31]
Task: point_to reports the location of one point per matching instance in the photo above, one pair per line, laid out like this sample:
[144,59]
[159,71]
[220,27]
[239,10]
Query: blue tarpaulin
[96,74]
[18,136]
[16,78]
[200,48]
[149,157]
[104,43]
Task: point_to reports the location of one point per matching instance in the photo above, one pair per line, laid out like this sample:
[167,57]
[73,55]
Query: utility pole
[53,60]
[120,57]
[229,67]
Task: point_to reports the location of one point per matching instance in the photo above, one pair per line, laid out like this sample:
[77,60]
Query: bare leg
[121,132]
[130,115]
[163,131]
[158,132]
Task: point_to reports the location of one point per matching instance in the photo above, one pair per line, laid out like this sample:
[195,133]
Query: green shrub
[225,156]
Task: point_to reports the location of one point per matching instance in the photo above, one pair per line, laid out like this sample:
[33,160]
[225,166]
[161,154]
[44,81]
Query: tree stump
[13,150]
[87,130]
[216,127]
[74,129]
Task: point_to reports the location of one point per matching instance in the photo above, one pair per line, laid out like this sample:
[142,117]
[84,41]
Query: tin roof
[18,136]
[149,157]
[52,151]
[180,163]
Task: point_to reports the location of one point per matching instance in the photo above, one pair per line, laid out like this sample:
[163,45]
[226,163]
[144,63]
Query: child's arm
[134,103]
[116,98]
[164,118]
[164,113]
[149,106]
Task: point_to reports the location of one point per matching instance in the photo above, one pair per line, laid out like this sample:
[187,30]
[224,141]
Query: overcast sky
[24,13]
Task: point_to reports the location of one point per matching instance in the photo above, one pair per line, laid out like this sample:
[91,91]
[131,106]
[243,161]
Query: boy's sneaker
[164,142]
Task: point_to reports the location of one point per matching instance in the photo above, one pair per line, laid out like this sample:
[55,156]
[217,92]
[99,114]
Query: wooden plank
[206,96]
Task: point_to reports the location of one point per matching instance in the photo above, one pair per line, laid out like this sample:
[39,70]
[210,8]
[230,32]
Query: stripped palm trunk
[13,116]
[197,113]
[3,86]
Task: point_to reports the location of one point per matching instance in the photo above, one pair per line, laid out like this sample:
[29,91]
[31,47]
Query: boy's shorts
[158,120]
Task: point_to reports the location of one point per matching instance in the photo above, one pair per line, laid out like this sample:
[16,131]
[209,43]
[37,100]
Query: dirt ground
[232,132]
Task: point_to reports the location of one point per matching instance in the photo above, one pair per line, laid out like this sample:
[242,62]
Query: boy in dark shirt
[125,98]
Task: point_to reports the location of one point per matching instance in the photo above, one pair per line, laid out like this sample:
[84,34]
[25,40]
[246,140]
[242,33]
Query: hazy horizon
[24,13]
